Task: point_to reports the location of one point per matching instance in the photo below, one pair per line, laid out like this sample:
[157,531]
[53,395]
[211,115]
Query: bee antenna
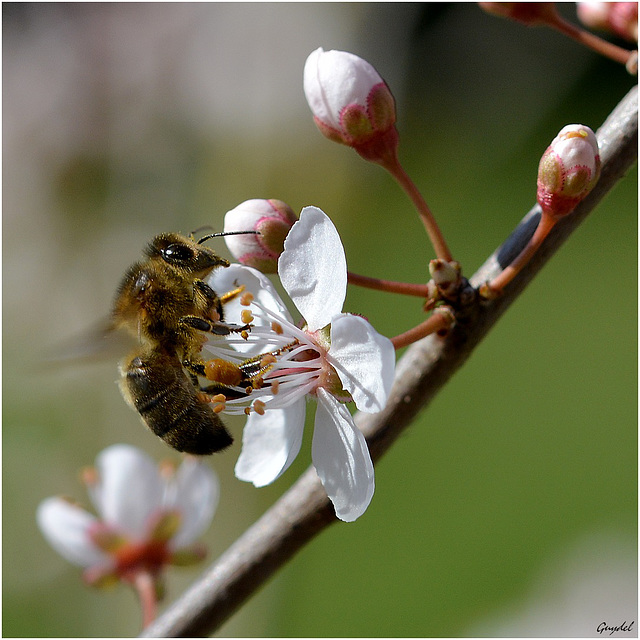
[199,229]
[226,233]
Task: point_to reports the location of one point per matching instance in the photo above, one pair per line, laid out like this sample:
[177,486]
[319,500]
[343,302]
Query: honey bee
[165,303]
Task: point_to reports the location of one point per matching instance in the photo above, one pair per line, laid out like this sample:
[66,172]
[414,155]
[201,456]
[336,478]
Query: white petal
[364,360]
[244,217]
[341,458]
[130,488]
[195,493]
[590,137]
[66,528]
[333,80]
[227,279]
[270,443]
[313,90]
[313,268]
[576,152]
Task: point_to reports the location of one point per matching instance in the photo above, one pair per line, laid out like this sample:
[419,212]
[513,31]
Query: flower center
[150,555]
[293,363]
[328,377]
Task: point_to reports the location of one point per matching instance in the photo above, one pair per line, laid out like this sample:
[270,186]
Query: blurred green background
[509,508]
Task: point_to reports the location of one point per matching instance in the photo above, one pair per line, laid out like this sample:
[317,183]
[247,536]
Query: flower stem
[144,585]
[433,324]
[406,288]
[612,51]
[433,231]
[509,273]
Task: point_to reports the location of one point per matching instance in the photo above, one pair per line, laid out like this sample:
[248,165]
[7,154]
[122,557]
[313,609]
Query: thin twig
[390,286]
[305,510]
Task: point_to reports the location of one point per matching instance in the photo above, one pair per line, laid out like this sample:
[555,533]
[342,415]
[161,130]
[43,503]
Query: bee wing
[97,344]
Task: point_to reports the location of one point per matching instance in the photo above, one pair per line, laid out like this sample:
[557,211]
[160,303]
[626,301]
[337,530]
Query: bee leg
[217,388]
[213,301]
[249,373]
[217,328]
[195,369]
[221,372]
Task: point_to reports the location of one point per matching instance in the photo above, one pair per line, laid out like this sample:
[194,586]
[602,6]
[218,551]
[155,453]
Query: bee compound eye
[176,253]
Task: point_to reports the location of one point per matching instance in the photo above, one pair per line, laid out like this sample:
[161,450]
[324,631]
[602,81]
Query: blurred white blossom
[147,517]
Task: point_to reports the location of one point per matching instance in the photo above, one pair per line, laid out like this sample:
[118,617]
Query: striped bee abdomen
[155,383]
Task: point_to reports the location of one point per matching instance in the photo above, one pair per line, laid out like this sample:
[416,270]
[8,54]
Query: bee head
[184,254]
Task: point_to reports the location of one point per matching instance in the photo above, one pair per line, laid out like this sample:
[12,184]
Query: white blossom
[146,517]
[334,358]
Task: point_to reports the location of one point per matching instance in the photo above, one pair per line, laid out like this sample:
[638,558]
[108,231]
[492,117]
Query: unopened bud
[568,170]
[620,18]
[351,103]
[446,276]
[271,219]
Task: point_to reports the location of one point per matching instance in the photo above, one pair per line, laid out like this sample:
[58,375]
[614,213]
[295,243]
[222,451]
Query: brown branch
[305,510]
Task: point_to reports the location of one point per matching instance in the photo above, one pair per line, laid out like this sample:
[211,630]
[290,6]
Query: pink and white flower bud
[594,15]
[351,103]
[620,18]
[272,219]
[568,170]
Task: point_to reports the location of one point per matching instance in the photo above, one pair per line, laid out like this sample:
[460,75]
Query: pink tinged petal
[341,458]
[364,360]
[66,528]
[272,219]
[313,268]
[130,488]
[270,443]
[195,494]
